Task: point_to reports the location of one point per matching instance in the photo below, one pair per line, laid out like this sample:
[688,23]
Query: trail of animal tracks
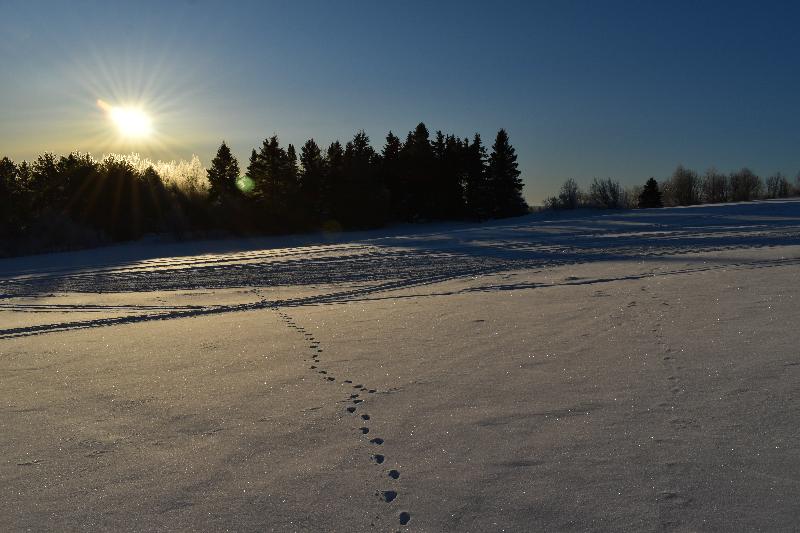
[556,372]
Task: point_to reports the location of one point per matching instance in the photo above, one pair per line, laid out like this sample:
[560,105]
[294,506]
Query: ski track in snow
[377,266]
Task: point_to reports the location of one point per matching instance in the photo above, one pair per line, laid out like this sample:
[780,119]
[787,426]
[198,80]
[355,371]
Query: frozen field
[568,372]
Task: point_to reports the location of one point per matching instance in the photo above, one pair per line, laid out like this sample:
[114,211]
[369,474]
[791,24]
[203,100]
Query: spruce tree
[392,173]
[311,181]
[362,198]
[650,195]
[8,199]
[476,190]
[334,184]
[504,180]
[418,169]
[222,174]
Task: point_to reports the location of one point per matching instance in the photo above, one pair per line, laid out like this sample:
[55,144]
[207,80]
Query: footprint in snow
[387,495]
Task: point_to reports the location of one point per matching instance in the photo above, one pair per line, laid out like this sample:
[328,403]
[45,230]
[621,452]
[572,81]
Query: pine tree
[650,195]
[504,180]
[222,174]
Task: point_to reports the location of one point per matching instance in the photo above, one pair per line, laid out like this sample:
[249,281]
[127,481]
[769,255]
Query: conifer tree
[222,174]
[362,198]
[8,199]
[334,181]
[476,188]
[392,172]
[312,179]
[418,168]
[276,186]
[448,187]
[650,195]
[291,162]
[504,179]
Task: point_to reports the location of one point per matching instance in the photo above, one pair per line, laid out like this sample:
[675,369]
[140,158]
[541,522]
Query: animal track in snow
[314,346]
[388,495]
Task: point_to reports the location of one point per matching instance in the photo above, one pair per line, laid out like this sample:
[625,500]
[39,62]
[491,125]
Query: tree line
[683,187]
[74,200]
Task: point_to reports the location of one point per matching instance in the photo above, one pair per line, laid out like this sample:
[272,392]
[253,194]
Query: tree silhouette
[417,164]
[10,214]
[335,185]
[650,195]
[392,172]
[744,185]
[275,186]
[312,182]
[715,187]
[504,181]
[449,177]
[222,175]
[361,199]
[606,194]
[683,188]
[476,183]
[777,186]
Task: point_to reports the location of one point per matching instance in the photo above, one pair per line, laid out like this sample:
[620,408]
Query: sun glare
[131,122]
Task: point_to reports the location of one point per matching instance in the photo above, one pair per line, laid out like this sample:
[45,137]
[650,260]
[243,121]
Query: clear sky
[586,89]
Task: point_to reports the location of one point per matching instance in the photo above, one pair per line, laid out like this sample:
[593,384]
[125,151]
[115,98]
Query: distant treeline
[684,187]
[75,200]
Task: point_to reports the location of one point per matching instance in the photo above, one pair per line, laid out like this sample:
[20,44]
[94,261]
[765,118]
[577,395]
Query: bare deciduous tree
[745,185]
[777,186]
[715,187]
[606,194]
[683,188]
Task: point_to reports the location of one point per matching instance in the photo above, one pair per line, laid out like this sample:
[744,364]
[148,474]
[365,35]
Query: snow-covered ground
[571,371]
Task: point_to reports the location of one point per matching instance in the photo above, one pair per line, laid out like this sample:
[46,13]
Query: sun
[131,122]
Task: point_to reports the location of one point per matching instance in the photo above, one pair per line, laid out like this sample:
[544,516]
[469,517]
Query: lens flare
[131,122]
[245,184]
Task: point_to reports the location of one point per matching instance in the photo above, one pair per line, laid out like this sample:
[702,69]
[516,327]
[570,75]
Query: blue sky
[585,89]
